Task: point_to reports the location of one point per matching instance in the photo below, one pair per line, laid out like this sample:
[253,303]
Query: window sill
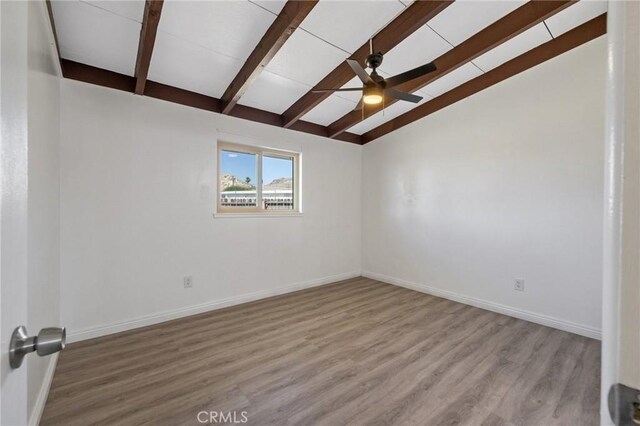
[256,214]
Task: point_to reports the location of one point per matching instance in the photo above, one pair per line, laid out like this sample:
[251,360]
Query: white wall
[137,197]
[505,184]
[43,217]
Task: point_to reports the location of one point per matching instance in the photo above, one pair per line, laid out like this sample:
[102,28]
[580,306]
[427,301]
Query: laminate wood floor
[354,352]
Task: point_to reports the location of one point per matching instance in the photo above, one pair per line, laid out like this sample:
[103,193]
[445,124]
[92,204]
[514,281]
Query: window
[257,180]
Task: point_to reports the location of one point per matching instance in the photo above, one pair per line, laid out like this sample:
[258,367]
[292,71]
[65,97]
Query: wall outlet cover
[518,284]
[188,282]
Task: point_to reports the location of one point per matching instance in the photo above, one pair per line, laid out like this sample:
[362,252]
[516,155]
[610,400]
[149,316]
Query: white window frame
[259,210]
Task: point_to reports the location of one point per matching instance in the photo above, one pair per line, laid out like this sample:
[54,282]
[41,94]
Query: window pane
[277,183]
[238,179]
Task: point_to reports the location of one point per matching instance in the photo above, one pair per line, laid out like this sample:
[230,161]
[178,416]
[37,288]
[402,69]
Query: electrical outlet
[188,282]
[518,284]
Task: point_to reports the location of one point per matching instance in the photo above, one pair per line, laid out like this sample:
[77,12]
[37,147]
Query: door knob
[50,340]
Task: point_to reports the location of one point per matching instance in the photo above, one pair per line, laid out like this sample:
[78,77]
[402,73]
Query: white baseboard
[43,393]
[549,321]
[143,321]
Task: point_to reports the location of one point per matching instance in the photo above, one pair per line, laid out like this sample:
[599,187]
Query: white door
[13,207]
[621,286]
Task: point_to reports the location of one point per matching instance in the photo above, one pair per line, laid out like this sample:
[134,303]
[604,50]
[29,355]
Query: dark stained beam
[526,16]
[567,41]
[113,80]
[150,21]
[405,24]
[181,96]
[291,16]
[98,76]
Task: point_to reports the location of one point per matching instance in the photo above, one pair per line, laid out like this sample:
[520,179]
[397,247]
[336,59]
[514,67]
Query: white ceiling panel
[387,114]
[350,24]
[97,37]
[231,28]
[305,58]
[131,9]
[329,110]
[533,37]
[179,63]
[454,79]
[465,18]
[575,15]
[273,6]
[273,93]
[419,48]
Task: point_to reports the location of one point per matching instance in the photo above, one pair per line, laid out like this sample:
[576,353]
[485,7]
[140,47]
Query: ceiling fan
[376,88]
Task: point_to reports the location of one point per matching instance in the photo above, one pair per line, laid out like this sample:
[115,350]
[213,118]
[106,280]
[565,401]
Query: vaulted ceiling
[261,59]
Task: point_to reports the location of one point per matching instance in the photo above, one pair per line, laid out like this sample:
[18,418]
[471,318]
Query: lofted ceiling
[204,47]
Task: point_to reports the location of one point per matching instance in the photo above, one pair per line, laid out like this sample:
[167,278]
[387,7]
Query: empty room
[332,212]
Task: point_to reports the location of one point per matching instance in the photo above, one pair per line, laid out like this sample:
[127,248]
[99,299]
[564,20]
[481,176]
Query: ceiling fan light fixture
[375,88]
[372,99]
[372,96]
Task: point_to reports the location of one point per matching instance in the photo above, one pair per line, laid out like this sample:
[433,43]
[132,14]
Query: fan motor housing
[374,60]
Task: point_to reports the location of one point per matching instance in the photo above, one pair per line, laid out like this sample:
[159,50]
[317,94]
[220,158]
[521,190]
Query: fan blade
[359,106]
[349,89]
[360,72]
[410,75]
[396,94]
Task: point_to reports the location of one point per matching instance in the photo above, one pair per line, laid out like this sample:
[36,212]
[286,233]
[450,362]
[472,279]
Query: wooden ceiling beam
[567,41]
[405,24]
[526,16]
[291,16]
[98,76]
[150,21]
[101,77]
